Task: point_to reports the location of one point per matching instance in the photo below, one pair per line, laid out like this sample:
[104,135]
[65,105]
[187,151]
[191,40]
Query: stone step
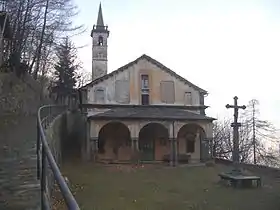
[18,161]
[18,171]
[19,187]
[17,164]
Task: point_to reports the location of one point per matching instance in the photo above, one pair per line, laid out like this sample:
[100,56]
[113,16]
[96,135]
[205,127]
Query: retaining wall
[261,169]
[65,126]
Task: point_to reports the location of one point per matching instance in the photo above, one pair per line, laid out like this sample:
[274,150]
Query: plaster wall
[132,76]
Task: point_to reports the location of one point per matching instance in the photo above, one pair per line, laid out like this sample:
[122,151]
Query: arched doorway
[114,142]
[190,137]
[153,142]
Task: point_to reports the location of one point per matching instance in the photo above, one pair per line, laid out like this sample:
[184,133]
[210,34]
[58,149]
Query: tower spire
[99,34]
[100,21]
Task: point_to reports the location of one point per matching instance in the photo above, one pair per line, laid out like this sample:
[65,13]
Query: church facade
[142,110]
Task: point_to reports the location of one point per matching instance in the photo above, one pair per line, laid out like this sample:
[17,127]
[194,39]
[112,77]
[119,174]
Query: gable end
[153,61]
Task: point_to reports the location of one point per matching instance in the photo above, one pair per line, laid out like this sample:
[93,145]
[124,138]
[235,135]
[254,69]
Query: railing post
[38,145]
[45,158]
[43,178]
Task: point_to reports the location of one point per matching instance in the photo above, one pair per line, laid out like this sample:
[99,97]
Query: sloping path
[19,187]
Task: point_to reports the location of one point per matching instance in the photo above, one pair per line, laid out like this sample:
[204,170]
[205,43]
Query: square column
[135,157]
[175,142]
[134,144]
[86,145]
[206,149]
[95,148]
[173,152]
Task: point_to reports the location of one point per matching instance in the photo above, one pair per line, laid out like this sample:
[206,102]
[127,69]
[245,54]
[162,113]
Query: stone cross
[235,125]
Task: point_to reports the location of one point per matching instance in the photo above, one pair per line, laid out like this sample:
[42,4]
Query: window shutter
[122,91]
[99,96]
[188,98]
[167,92]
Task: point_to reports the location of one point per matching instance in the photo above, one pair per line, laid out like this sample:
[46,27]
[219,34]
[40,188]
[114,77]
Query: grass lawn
[157,187]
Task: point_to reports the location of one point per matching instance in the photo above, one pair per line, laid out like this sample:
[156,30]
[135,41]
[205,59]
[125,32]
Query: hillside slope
[19,102]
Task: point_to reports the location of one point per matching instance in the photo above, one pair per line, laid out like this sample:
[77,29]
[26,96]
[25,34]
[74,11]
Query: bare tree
[260,136]
[83,77]
[222,146]
[39,49]
[257,138]
[37,26]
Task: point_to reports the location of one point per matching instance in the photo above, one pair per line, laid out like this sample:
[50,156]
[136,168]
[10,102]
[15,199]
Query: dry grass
[156,187]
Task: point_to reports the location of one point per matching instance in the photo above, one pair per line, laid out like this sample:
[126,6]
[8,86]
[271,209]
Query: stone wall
[54,134]
[65,126]
[260,169]
[70,124]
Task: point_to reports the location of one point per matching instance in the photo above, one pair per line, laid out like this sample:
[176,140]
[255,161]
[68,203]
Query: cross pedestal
[236,177]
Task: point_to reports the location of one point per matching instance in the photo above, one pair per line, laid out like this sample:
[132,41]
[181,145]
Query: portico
[117,135]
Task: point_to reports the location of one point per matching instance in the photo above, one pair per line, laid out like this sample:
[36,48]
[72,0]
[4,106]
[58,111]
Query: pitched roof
[147,112]
[153,61]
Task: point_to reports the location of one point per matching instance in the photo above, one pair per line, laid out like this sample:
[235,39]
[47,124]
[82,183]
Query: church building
[143,109]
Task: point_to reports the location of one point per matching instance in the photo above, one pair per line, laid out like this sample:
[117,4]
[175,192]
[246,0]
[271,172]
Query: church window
[167,90]
[188,98]
[145,97]
[145,81]
[99,95]
[100,41]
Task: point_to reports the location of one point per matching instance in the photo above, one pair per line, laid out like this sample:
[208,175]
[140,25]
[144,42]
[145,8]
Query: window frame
[145,77]
[161,92]
[95,93]
[188,95]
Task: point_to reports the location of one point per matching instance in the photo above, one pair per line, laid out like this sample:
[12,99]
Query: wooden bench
[240,180]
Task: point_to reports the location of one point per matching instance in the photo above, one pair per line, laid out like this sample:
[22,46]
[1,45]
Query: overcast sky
[228,47]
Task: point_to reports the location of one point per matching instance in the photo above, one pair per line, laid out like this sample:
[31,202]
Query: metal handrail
[46,155]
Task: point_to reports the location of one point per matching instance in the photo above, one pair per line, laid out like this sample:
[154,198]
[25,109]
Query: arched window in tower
[100,41]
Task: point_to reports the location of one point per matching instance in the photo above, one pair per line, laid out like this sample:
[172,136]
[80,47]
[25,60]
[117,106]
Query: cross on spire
[235,125]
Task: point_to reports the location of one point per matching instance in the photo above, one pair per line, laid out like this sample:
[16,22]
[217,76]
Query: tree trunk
[39,49]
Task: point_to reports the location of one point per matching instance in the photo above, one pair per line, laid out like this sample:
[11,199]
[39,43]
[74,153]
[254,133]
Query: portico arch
[153,141]
[190,137]
[114,141]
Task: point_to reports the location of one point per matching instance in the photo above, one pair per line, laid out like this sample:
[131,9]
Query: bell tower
[99,34]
